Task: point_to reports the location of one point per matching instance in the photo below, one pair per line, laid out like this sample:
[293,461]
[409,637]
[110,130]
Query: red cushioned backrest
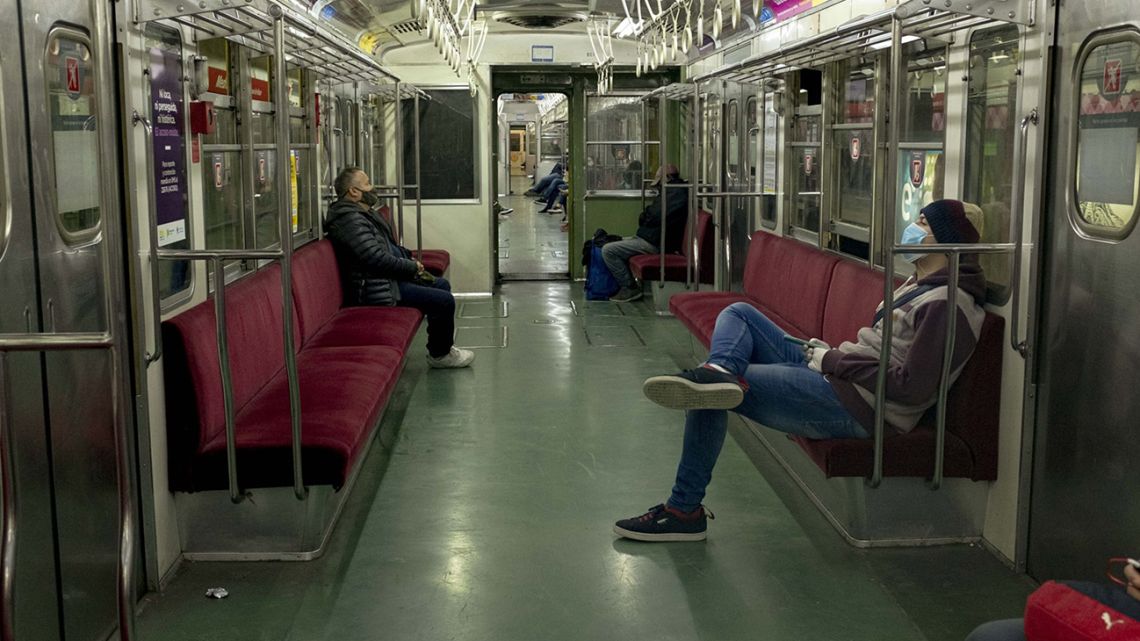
[855,291]
[316,286]
[973,402]
[704,241]
[790,278]
[1057,612]
[256,348]
[386,213]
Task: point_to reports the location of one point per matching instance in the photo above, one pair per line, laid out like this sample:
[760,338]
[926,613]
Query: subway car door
[61,195]
[1083,505]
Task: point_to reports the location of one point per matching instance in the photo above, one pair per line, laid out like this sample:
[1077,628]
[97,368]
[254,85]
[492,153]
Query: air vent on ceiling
[407,27]
[545,20]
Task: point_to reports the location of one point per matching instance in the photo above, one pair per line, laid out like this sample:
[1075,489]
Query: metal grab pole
[220,328]
[662,182]
[693,265]
[947,366]
[400,178]
[897,76]
[8,492]
[1017,210]
[419,178]
[285,213]
[152,356]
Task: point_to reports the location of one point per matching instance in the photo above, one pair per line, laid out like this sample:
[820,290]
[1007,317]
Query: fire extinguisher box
[202,117]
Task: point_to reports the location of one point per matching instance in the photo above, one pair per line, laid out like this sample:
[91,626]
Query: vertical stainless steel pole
[897,78]
[8,492]
[219,272]
[285,214]
[419,178]
[400,178]
[947,369]
[693,268]
[663,182]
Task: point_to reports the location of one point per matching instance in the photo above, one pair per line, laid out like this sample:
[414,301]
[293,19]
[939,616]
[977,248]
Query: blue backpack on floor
[600,283]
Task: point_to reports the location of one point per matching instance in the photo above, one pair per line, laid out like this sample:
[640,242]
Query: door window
[70,74]
[1107,158]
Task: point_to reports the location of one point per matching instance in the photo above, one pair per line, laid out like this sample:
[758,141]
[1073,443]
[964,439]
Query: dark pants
[437,303]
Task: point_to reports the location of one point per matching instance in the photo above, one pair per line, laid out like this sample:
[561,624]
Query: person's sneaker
[530,192]
[703,388]
[456,358]
[500,210]
[662,523]
[626,295]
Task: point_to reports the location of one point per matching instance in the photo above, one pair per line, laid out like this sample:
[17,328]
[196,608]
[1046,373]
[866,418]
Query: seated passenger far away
[814,390]
[378,271]
[648,236]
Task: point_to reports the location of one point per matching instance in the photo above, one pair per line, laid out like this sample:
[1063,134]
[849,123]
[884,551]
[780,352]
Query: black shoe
[662,523]
[703,388]
[626,295]
[541,201]
[530,192]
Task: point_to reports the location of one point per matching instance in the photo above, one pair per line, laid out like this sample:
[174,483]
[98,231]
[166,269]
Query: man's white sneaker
[454,359]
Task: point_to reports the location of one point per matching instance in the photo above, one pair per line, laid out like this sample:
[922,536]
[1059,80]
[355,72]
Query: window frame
[647,171]
[90,235]
[1085,229]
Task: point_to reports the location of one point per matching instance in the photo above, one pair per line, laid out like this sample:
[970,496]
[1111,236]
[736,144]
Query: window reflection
[616,158]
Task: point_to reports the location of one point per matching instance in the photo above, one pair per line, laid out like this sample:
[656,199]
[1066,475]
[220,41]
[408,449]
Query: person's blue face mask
[912,235]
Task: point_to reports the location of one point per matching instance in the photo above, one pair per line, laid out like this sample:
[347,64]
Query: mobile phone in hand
[797,341]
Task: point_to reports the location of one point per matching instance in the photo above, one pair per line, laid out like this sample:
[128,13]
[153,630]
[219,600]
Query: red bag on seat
[1058,612]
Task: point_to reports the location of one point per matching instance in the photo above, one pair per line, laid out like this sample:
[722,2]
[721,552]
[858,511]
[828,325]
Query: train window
[615,157]
[1106,161]
[853,150]
[771,163]
[171,205]
[301,151]
[805,147]
[71,100]
[732,142]
[447,144]
[265,194]
[223,189]
[752,141]
[924,118]
[990,137]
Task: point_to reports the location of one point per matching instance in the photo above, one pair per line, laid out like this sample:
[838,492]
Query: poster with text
[169,146]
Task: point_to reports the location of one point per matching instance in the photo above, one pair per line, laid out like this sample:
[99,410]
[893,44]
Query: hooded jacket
[370,260]
[918,340]
[676,215]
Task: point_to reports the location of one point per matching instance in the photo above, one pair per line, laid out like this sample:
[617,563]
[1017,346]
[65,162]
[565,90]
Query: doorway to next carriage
[532,210]
[607,143]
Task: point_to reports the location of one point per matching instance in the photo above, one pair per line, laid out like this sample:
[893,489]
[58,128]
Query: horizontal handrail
[219,254]
[960,248]
[55,342]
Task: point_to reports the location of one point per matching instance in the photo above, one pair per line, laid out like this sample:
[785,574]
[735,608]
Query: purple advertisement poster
[784,9]
[167,111]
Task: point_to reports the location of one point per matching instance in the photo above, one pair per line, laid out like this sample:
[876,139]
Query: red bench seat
[813,294]
[436,261]
[647,267]
[348,362]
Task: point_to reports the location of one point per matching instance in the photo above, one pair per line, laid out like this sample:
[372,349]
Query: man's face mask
[912,235]
[369,198]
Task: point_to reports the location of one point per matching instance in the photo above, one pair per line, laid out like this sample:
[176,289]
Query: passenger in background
[378,271]
[1126,602]
[542,185]
[631,179]
[618,253]
[814,390]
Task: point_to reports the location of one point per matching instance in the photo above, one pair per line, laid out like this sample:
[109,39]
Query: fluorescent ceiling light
[886,44]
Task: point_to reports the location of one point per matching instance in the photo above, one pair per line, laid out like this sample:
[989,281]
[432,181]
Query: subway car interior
[211,429]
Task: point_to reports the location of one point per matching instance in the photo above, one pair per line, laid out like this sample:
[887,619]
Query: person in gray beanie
[818,391]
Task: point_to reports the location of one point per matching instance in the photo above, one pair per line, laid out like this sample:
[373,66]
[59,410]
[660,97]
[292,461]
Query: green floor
[487,515]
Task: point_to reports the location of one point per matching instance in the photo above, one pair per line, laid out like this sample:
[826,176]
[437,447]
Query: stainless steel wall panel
[1083,506]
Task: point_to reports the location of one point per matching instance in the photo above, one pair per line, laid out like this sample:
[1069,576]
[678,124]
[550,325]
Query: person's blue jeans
[551,191]
[1003,630]
[541,186]
[783,394]
[438,305]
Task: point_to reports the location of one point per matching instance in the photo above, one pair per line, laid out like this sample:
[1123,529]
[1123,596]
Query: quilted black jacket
[370,260]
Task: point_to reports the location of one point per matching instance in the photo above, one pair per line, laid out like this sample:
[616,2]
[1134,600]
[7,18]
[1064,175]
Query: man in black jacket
[617,254]
[376,270]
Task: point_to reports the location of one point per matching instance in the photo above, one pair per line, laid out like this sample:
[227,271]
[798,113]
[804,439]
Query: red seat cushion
[343,390]
[698,310]
[855,291]
[436,261]
[647,267]
[909,454]
[351,326]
